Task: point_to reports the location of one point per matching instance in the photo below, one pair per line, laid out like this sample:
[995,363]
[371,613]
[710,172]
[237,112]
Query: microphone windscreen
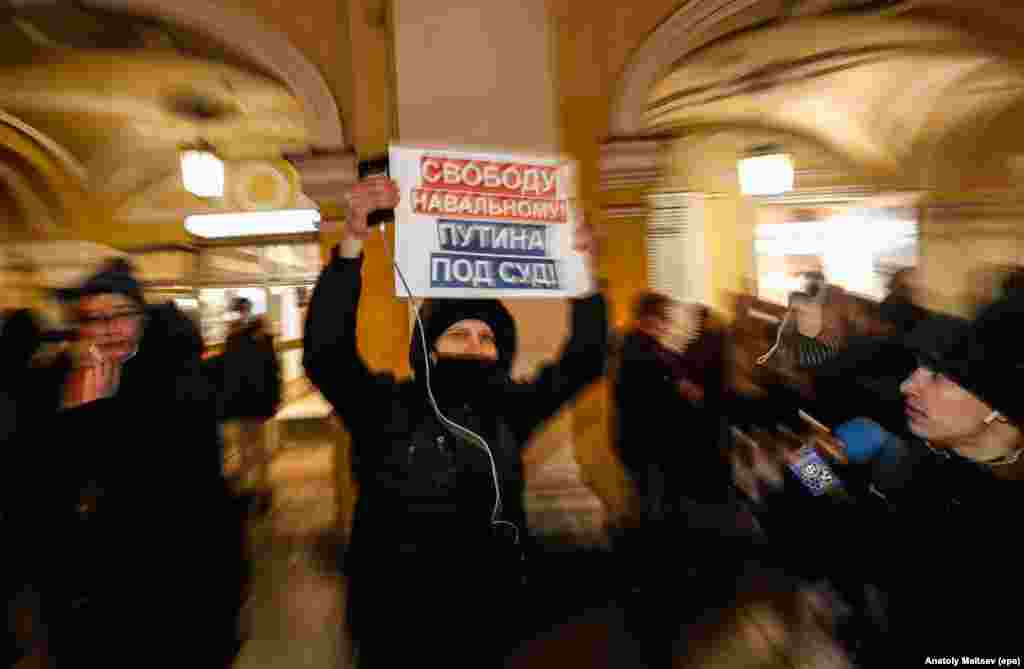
[864,439]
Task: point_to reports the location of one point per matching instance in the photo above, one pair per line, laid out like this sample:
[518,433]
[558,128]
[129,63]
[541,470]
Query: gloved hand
[864,439]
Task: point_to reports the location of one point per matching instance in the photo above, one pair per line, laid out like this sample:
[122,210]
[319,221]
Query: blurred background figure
[668,391]
[250,342]
[901,309]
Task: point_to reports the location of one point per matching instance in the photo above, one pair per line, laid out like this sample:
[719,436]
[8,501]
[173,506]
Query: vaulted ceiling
[891,87]
[114,96]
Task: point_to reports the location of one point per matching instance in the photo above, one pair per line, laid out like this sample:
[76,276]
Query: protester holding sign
[434,563]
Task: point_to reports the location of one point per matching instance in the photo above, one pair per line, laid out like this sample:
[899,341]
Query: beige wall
[961,249]
[476,73]
[482,76]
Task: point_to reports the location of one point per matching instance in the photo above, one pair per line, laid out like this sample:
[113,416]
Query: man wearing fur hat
[433,565]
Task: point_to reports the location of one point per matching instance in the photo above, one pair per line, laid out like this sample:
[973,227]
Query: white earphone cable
[460,430]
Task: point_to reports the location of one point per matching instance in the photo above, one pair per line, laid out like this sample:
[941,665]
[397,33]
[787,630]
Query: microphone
[864,439]
[889,459]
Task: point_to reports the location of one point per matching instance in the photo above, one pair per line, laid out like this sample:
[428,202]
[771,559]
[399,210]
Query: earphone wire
[778,340]
[458,430]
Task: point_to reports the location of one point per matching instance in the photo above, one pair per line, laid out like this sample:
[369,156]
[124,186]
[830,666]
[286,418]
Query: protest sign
[484,225]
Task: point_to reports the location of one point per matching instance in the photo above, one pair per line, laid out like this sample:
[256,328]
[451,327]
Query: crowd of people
[841,497]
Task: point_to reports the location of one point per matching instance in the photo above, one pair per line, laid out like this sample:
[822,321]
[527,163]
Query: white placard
[473,224]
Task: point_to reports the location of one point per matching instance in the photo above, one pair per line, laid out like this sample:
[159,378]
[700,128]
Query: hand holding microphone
[863,439]
[755,471]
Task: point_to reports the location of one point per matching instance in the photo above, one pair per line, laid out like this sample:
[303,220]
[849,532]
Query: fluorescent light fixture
[202,173]
[253,223]
[770,174]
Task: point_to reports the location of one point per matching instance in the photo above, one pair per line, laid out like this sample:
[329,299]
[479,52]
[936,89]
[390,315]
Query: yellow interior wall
[729,227]
[593,43]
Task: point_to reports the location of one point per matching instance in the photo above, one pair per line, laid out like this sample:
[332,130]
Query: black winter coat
[422,538]
[126,524]
[937,546]
[657,426]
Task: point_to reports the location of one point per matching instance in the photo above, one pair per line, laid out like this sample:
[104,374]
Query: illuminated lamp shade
[253,223]
[766,174]
[202,173]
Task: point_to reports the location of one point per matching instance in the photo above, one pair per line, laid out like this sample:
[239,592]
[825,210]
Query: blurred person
[670,436]
[671,370]
[901,310]
[865,376]
[941,502]
[775,622]
[250,345]
[134,541]
[20,336]
[433,563]
[817,331]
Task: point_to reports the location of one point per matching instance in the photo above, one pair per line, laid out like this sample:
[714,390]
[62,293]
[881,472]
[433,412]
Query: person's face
[661,326]
[940,410]
[112,322]
[681,324]
[468,337]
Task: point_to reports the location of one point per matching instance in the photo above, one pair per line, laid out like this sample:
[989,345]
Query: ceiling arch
[251,39]
[881,88]
[49,145]
[690,26]
[49,185]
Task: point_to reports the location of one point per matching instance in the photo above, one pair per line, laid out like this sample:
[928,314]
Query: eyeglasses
[106,319]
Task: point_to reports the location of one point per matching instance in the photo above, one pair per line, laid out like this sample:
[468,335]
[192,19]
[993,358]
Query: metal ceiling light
[766,171]
[253,223]
[202,173]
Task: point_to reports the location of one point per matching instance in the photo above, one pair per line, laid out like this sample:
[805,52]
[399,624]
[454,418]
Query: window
[276,278]
[855,247]
[676,263]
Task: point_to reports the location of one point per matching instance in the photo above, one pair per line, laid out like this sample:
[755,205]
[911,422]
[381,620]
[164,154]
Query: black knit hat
[440,314]
[984,357]
[116,276]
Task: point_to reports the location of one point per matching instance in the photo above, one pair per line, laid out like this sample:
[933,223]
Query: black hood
[440,314]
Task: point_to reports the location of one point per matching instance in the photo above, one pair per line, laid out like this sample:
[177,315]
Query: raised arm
[330,356]
[583,359]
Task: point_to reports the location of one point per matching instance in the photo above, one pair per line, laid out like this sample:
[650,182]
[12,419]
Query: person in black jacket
[661,383]
[433,566]
[253,396]
[135,542]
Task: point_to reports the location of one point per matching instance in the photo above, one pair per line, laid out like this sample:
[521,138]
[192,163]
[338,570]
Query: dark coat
[656,426]
[934,546]
[422,537]
[134,539]
[251,385]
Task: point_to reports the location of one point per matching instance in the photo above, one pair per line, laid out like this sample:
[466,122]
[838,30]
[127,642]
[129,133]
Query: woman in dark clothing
[433,567]
[135,543]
